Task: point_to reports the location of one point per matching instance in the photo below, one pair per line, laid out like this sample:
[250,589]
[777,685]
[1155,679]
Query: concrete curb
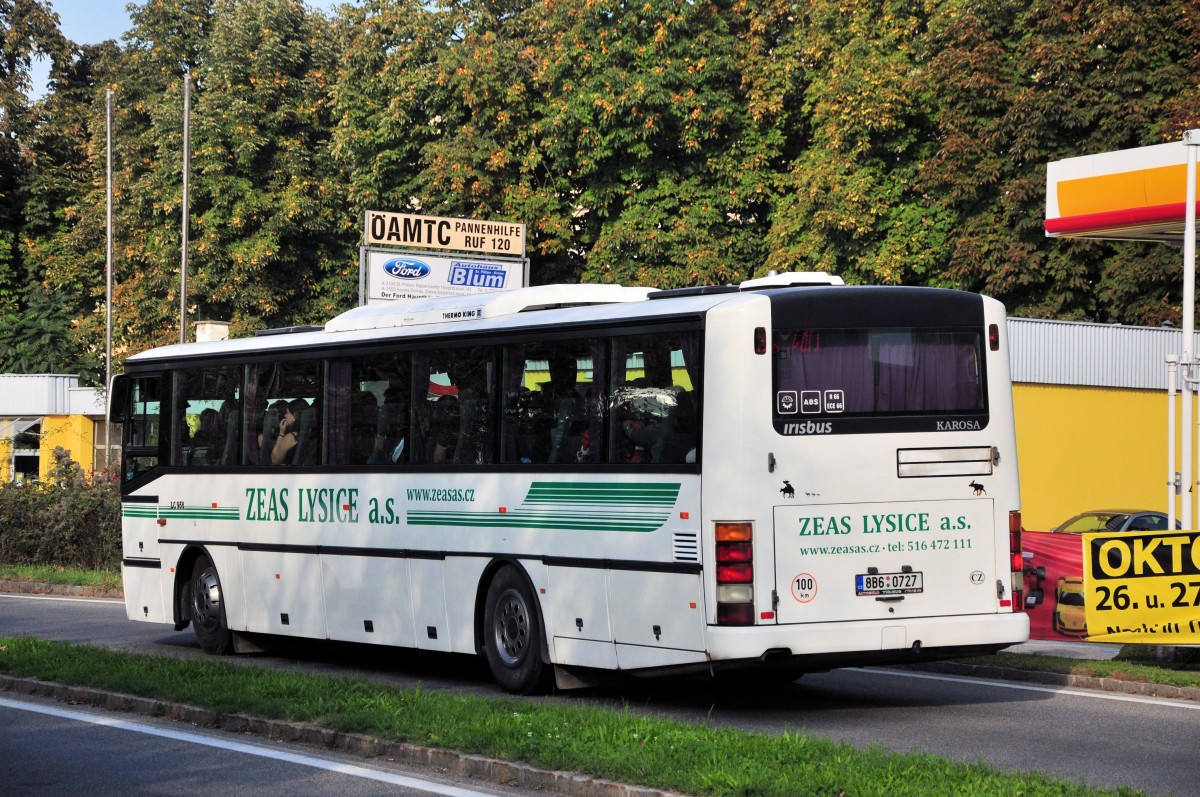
[451,762]
[1063,679]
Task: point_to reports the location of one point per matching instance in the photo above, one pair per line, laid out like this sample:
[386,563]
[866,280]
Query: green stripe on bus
[515,520]
[607,493]
[185,513]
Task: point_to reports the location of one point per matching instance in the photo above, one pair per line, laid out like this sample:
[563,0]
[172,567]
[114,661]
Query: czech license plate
[888,583]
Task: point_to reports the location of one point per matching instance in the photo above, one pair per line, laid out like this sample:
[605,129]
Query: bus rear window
[849,373]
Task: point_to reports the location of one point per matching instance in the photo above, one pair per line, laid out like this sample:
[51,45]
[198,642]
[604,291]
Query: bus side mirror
[118,399]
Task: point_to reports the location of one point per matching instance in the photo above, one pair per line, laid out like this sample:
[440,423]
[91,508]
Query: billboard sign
[1143,588]
[414,275]
[434,232]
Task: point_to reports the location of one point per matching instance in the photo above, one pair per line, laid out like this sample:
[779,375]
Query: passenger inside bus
[281,430]
[307,432]
[444,424]
[391,427]
[364,423]
[565,408]
[209,439]
[229,420]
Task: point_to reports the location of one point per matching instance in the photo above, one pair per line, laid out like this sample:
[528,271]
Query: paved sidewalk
[1067,650]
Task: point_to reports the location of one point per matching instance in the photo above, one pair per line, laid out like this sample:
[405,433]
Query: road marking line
[248,749]
[18,597]
[1155,701]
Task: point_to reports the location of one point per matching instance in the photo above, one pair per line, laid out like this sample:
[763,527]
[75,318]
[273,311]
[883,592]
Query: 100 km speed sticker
[804,588]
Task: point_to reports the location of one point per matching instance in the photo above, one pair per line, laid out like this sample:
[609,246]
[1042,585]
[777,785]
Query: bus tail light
[1016,562]
[735,573]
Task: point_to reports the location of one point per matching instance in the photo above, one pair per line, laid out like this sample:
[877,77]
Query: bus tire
[512,635]
[206,601]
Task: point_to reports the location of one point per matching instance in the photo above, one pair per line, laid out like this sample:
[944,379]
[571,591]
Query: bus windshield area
[872,372]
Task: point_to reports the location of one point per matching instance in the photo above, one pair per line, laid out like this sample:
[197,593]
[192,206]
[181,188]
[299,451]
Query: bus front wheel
[513,635]
[207,603]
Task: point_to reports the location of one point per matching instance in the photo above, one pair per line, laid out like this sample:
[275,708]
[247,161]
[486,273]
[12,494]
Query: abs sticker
[804,588]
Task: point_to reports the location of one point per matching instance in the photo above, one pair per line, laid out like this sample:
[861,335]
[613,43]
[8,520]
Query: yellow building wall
[1082,448]
[75,433]
[5,461]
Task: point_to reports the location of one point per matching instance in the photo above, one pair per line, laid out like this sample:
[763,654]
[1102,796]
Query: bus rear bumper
[876,641]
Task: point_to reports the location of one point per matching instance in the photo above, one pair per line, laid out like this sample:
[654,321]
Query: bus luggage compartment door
[837,562]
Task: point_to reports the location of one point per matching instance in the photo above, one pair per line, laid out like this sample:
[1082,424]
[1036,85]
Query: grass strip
[67,576]
[1118,669]
[619,745]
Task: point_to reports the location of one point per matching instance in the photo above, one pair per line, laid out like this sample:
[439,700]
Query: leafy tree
[666,143]
[1022,82]
[63,237]
[387,100]
[28,28]
[165,42]
[273,242]
[672,187]
[617,134]
[849,203]
[43,341]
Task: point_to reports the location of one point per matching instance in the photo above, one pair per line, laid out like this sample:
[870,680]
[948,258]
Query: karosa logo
[406,268]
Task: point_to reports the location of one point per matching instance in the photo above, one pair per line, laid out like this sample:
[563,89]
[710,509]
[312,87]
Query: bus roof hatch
[791,279]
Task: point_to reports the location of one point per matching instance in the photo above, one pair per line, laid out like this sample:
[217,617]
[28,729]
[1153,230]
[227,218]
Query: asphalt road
[53,750]
[1103,739]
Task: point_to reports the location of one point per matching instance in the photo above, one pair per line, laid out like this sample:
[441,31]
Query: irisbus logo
[406,268]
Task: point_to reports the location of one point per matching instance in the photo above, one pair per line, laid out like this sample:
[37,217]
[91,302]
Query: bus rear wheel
[207,603]
[512,638]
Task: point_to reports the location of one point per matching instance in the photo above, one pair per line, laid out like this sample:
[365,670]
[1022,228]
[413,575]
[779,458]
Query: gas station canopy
[1131,195]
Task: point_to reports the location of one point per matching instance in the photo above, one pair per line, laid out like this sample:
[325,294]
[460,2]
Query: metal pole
[1191,140]
[108,269]
[187,167]
[1172,473]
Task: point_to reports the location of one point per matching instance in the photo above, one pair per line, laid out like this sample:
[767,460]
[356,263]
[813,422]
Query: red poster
[1054,585]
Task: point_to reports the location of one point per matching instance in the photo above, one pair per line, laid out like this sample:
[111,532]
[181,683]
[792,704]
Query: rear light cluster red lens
[735,573]
[1016,561]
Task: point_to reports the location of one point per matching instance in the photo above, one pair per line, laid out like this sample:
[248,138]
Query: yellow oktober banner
[1143,588]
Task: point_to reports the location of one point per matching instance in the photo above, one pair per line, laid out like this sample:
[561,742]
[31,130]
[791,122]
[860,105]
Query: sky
[94,21]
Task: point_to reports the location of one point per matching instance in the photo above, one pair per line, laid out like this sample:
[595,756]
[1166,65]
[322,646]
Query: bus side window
[206,417]
[456,421]
[654,405]
[473,373]
[286,427]
[369,410]
[551,410]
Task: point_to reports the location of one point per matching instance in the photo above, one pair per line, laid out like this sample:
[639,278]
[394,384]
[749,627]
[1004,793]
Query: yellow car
[1069,616]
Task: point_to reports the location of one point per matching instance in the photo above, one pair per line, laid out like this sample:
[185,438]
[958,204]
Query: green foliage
[1131,665]
[558,735]
[41,341]
[667,143]
[1022,82]
[270,233]
[28,28]
[71,521]
[105,581]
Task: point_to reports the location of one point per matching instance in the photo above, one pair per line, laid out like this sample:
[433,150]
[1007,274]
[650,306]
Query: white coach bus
[787,475]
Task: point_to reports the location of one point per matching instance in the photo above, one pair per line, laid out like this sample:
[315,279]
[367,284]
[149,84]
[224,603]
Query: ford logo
[406,268]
